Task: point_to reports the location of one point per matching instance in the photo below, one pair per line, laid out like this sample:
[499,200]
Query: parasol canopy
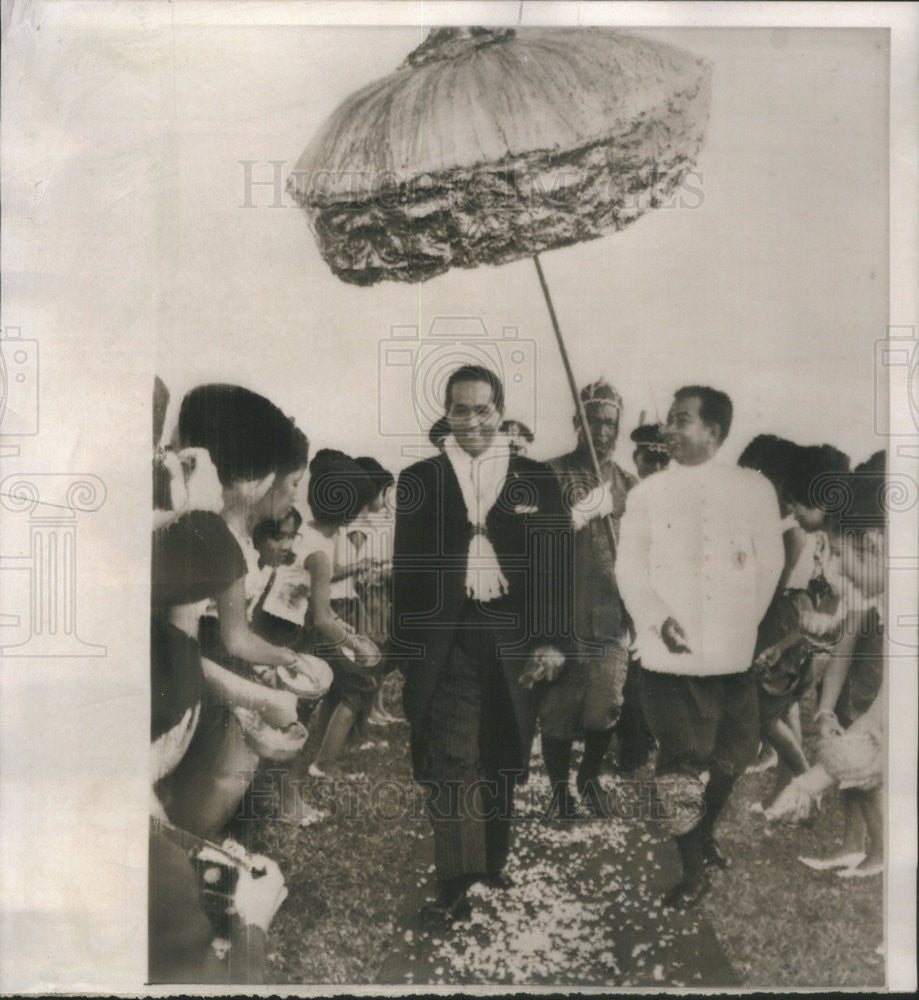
[488,145]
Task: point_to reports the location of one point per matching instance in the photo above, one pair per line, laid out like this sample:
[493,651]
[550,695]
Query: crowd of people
[679,616]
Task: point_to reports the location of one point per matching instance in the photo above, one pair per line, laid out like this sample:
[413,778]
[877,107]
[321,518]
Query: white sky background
[126,251]
[774,287]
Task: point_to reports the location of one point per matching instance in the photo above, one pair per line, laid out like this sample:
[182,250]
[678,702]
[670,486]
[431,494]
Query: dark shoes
[445,910]
[687,892]
[593,799]
[563,806]
[713,856]
[452,904]
[499,880]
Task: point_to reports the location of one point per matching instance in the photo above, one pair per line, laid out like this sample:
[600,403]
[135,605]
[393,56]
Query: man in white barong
[699,559]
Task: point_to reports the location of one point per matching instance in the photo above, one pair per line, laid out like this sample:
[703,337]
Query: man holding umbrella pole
[699,559]
[481,579]
[585,701]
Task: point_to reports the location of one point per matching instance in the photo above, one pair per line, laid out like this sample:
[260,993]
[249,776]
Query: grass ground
[352,876]
[780,923]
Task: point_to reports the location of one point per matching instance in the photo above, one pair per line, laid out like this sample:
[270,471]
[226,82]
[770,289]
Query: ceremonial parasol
[489,145]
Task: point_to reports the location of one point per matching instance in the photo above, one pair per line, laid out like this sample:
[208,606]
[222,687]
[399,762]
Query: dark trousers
[636,741]
[702,723]
[471,760]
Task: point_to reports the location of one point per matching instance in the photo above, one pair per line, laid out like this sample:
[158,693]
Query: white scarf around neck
[481,480]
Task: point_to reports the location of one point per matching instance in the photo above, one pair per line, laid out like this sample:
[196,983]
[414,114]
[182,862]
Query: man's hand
[674,637]
[597,503]
[545,664]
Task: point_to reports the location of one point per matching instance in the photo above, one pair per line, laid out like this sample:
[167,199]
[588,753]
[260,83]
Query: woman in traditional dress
[851,707]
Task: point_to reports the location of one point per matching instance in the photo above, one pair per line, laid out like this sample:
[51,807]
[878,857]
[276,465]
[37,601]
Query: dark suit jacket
[530,530]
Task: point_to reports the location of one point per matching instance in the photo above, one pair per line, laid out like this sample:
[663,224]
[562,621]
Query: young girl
[370,537]
[338,490]
[794,627]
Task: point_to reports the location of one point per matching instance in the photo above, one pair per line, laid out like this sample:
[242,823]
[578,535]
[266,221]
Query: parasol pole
[579,405]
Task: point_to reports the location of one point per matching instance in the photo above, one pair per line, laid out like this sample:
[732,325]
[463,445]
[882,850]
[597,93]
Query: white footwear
[311,816]
[303,814]
[840,861]
[315,772]
[873,869]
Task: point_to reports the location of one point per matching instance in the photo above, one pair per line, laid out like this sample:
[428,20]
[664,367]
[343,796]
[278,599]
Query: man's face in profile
[473,417]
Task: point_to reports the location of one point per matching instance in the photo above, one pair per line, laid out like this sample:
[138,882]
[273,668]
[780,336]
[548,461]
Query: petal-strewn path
[584,910]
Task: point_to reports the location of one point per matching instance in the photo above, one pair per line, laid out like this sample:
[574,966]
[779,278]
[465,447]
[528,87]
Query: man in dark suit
[481,584]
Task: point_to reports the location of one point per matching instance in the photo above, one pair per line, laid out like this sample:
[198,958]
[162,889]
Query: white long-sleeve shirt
[701,544]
